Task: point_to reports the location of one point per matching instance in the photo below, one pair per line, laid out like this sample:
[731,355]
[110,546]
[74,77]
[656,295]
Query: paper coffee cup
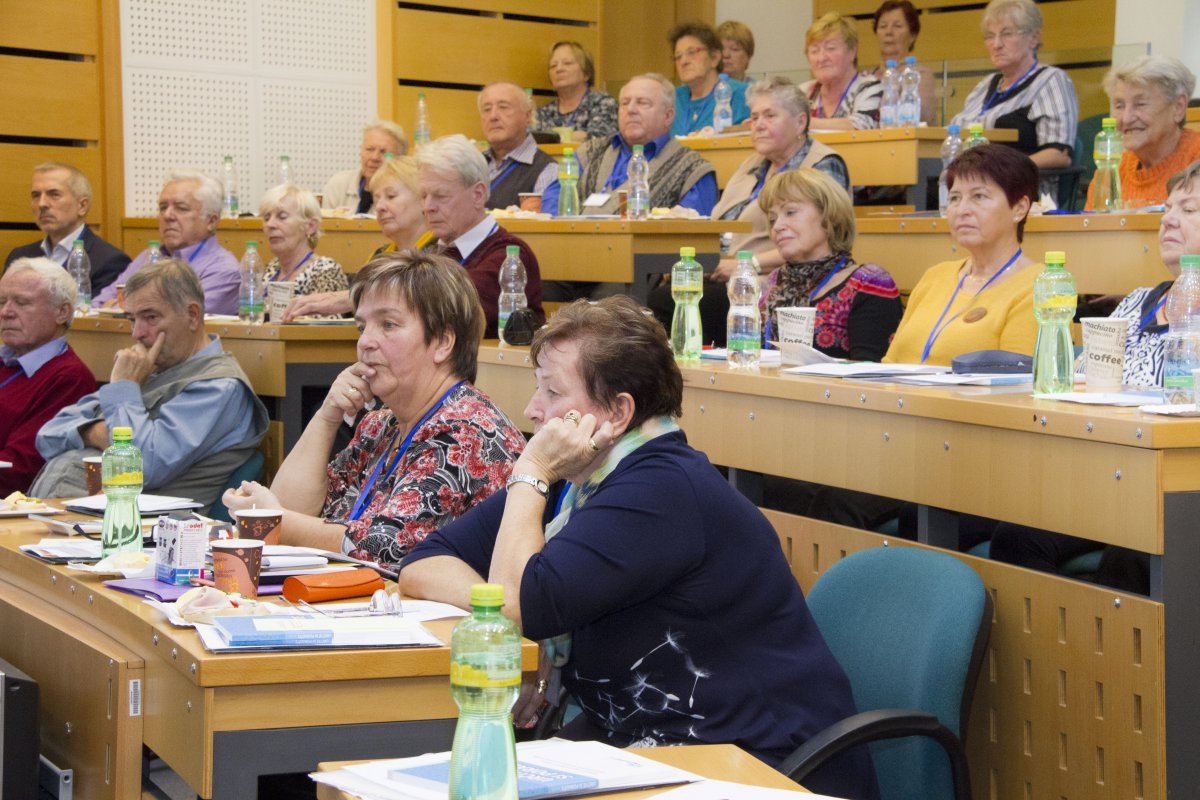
[279,294]
[237,564]
[796,324]
[531,201]
[1104,352]
[92,475]
[263,524]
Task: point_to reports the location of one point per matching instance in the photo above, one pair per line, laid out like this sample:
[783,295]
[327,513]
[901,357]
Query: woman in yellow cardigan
[985,301]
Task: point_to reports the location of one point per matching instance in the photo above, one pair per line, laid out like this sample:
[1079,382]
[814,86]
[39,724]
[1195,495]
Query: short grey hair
[393,130]
[526,100]
[208,191]
[784,91]
[1022,13]
[175,281]
[455,154]
[1169,74]
[668,88]
[77,182]
[58,283]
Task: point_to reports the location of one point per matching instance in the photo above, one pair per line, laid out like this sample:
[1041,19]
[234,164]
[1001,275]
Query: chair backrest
[250,470]
[909,627]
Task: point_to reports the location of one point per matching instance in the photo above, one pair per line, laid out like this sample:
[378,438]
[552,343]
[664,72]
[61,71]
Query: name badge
[596,199]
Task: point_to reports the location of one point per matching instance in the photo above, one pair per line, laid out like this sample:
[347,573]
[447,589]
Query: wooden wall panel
[633,36]
[60,26]
[57,99]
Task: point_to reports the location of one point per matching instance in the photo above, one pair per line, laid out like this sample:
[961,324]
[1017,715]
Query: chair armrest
[870,726]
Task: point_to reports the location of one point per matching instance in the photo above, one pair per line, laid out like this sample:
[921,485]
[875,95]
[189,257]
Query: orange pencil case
[318,588]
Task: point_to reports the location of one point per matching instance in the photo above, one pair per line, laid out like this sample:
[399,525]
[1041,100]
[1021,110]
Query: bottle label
[124,479]
[486,677]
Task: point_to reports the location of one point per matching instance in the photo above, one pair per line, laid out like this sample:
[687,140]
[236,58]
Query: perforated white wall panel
[254,79]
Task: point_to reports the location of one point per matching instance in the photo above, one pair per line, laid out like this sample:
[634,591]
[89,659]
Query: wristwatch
[539,485]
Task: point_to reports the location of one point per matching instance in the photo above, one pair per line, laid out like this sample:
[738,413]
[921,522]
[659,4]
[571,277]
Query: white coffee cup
[1104,352]
[796,324]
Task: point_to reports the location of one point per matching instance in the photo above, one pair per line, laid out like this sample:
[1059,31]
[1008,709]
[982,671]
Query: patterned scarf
[794,283]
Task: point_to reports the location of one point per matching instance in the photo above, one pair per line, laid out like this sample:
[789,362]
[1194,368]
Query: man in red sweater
[40,373]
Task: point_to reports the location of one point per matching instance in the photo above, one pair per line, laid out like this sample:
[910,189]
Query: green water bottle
[121,476]
[1054,298]
[485,679]
[687,284]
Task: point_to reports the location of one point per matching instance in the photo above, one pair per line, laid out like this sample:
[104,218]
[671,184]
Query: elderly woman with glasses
[1035,99]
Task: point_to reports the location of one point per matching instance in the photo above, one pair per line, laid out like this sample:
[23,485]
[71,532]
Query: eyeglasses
[1006,35]
[691,52]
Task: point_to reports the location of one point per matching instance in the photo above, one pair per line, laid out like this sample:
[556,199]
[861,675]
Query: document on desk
[864,369]
[1128,398]
[966,379]
[147,504]
[723,790]
[345,632]
[601,767]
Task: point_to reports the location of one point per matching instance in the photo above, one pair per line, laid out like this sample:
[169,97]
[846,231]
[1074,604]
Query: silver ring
[571,417]
[592,444]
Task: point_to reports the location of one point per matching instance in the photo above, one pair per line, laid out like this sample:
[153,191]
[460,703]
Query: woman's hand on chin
[349,394]
[565,447]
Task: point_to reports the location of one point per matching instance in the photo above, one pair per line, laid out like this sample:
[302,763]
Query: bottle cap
[910,60]
[952,130]
[637,148]
[687,252]
[568,151]
[251,245]
[1056,257]
[724,76]
[891,63]
[487,594]
[284,158]
[1190,261]
[976,127]
[513,249]
[228,159]
[1108,122]
[122,432]
[77,243]
[744,255]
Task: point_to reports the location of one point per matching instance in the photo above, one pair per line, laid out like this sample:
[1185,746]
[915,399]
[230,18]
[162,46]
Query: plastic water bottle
[950,150]
[723,104]
[512,287]
[975,136]
[229,206]
[889,105]
[154,251]
[743,325]
[687,284]
[637,204]
[1181,345]
[1108,148]
[121,477]
[1054,299]
[80,267]
[568,184]
[909,110]
[421,133]
[485,679]
[285,170]
[253,288]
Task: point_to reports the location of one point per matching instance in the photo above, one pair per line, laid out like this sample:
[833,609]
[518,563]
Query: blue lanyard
[817,290]
[303,261]
[503,173]
[998,96]
[196,252]
[842,99]
[365,493]
[938,327]
[1153,313]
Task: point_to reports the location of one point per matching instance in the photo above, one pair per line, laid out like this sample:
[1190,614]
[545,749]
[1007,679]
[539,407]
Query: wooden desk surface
[724,762]
[191,697]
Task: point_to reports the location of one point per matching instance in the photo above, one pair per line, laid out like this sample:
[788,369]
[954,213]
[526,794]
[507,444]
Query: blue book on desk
[532,780]
[273,630]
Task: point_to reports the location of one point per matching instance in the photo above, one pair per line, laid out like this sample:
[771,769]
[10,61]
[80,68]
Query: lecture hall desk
[114,675]
[603,250]
[1084,692]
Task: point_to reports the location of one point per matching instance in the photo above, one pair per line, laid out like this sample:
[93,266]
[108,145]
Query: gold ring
[572,417]
[353,389]
[592,444]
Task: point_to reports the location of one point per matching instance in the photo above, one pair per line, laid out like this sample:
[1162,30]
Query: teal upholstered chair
[250,470]
[909,626]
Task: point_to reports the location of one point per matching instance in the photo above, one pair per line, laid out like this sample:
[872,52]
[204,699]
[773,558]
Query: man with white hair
[61,198]
[189,207]
[454,190]
[679,176]
[348,190]
[40,373]
[515,164]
